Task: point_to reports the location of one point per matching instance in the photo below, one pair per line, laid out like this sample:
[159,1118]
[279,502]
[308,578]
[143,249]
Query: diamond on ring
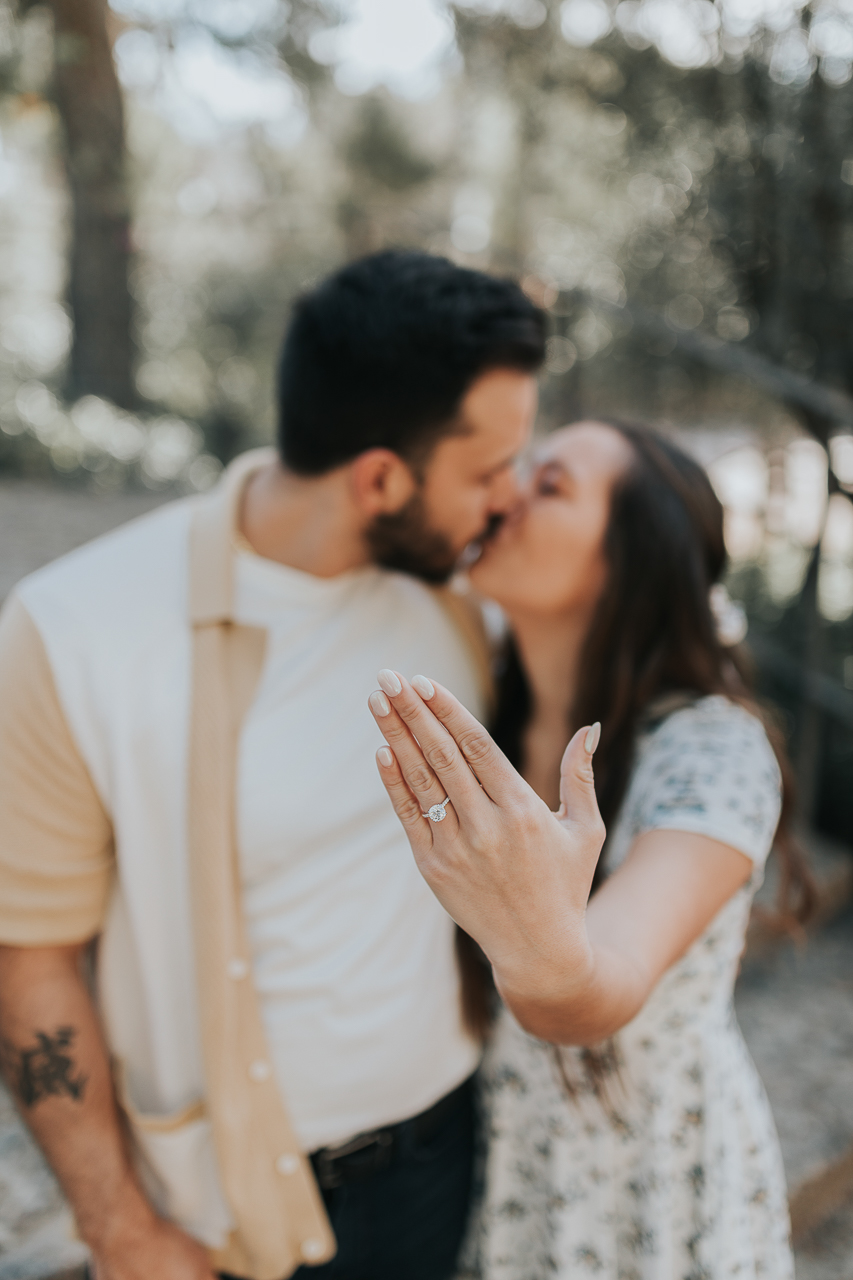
[438,812]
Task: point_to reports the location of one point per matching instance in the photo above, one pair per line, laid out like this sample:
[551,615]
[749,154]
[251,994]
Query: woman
[643,1146]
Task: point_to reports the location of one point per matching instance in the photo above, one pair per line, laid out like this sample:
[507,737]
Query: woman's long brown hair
[653,634]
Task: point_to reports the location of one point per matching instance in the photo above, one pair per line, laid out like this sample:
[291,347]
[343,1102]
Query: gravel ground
[794,1004]
[796,1012]
[38,523]
[828,1254]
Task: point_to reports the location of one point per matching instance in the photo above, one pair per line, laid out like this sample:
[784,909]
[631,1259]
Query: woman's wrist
[547,990]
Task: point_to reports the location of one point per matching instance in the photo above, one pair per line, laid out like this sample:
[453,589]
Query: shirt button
[287,1163]
[259,1070]
[312,1248]
[238,968]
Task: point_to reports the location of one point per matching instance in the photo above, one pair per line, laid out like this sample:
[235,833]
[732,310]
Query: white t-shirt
[353,956]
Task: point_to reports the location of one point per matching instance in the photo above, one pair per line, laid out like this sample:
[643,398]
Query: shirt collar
[215,522]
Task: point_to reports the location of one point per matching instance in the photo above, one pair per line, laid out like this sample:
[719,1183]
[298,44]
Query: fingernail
[389,682]
[383,755]
[379,704]
[424,687]
[593,734]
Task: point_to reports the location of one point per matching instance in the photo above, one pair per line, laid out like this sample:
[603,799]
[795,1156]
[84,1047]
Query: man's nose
[505,493]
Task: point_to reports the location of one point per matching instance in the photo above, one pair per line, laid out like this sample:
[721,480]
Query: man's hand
[511,873]
[147,1248]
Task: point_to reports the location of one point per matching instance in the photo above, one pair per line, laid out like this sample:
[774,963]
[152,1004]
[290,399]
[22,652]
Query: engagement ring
[438,812]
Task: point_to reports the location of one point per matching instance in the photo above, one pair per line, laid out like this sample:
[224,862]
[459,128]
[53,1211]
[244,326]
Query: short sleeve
[56,845]
[709,769]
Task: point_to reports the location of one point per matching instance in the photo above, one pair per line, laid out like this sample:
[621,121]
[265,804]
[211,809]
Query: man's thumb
[577,782]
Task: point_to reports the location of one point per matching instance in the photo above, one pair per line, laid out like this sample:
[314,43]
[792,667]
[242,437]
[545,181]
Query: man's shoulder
[135,571]
[443,604]
[457,617]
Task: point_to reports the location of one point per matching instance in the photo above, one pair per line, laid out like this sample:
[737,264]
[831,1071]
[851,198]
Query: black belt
[368,1153]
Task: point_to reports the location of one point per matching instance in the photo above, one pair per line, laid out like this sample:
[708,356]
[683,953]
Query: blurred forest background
[673,179]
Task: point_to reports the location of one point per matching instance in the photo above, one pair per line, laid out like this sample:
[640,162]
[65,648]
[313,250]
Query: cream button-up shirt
[352,955]
[126,676]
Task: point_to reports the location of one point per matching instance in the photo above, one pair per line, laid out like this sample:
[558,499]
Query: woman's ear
[381,483]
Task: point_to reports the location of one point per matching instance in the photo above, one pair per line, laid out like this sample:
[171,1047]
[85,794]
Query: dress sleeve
[56,845]
[710,770]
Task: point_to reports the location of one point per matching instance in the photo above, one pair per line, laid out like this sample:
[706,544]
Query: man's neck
[304,522]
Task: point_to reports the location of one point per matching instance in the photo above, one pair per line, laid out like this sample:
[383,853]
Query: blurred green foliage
[672,179]
[711,195]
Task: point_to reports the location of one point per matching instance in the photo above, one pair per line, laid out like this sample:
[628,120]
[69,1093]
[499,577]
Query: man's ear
[381,483]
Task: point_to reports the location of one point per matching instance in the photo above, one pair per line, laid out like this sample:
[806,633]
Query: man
[273,1075]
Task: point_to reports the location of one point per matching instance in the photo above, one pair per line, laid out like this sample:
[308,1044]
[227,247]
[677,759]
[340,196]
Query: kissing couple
[255,1014]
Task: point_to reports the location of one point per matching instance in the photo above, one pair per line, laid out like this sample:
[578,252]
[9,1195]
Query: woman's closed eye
[550,480]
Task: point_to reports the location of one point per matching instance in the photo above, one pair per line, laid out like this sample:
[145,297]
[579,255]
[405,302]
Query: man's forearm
[56,1064]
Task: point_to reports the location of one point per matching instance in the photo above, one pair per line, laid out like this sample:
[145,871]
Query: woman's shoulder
[707,724]
[708,767]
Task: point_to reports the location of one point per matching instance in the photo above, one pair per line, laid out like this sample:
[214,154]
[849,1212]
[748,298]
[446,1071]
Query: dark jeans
[405,1222]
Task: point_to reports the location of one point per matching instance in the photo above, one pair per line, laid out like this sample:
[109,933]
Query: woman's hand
[513,875]
[517,877]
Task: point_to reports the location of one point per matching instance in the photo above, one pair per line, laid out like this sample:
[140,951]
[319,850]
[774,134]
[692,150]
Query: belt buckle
[325,1160]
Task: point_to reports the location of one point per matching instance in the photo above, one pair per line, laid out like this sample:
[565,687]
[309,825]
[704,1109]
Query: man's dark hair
[382,353]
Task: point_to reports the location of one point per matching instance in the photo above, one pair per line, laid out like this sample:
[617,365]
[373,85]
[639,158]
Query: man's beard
[405,541]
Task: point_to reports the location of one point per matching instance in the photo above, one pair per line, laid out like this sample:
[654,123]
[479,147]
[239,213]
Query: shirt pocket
[175,1159]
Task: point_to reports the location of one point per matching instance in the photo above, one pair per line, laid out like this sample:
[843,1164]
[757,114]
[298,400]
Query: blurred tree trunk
[90,104]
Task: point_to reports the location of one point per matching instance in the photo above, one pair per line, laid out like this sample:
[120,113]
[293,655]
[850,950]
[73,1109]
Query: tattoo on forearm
[44,1069]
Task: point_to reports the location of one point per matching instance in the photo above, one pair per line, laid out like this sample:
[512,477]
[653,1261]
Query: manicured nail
[383,755]
[593,734]
[424,687]
[379,704]
[389,682]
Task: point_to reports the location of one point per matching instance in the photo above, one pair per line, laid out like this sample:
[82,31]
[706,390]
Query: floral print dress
[669,1168]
